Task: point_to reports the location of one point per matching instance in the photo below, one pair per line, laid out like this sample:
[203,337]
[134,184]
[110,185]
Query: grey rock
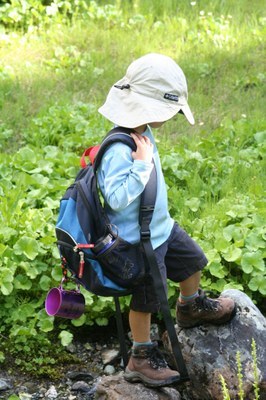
[4,385]
[116,388]
[51,393]
[79,375]
[210,351]
[81,386]
[109,370]
[71,348]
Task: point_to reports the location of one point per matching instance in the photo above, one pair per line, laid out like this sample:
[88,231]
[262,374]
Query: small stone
[25,396]
[4,385]
[88,346]
[155,335]
[81,386]
[109,356]
[71,348]
[51,393]
[79,375]
[109,370]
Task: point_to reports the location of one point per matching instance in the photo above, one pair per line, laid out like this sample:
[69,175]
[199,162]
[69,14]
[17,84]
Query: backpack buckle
[145,234]
[147,208]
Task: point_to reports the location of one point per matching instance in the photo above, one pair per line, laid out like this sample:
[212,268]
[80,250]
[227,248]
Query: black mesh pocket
[123,263]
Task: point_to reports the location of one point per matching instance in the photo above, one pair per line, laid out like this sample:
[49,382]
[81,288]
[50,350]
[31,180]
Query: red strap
[91,152]
[84,246]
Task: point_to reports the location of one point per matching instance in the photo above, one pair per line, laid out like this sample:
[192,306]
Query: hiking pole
[120,331]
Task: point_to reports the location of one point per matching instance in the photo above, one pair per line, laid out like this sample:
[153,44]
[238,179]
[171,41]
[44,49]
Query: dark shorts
[178,258]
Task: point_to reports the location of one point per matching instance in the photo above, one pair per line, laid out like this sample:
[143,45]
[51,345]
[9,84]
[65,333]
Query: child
[153,91]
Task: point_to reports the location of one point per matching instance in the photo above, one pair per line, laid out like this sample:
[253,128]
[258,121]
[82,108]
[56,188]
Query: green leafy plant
[226,394]
[239,376]
[255,369]
[225,391]
[27,14]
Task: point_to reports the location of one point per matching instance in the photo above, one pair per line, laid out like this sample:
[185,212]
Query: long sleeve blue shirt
[121,180]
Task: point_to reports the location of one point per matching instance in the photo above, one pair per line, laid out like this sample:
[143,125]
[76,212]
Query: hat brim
[130,109]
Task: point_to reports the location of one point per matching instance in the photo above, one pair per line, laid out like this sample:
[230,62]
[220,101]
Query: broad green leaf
[254,240]
[27,246]
[23,312]
[2,357]
[228,232]
[262,286]
[6,274]
[233,285]
[22,282]
[216,269]
[46,325]
[218,285]
[24,331]
[221,243]
[57,273]
[258,283]
[51,152]
[246,267]
[46,322]
[2,249]
[13,397]
[32,271]
[255,282]
[213,256]
[66,338]
[193,204]
[6,232]
[231,214]
[252,259]
[232,253]
[6,288]
[89,297]
[193,155]
[260,137]
[45,283]
[79,321]
[40,180]
[258,221]
[25,154]
[102,321]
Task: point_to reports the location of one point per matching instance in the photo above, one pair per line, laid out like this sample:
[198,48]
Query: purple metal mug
[65,303]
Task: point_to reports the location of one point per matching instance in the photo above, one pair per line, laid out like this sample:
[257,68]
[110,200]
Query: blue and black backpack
[89,246]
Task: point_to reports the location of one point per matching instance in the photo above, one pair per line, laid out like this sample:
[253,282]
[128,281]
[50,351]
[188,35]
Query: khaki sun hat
[154,89]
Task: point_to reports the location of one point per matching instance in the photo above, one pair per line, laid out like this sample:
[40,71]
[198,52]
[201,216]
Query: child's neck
[140,129]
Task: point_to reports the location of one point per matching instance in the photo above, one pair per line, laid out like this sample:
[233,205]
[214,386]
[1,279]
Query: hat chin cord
[122,87]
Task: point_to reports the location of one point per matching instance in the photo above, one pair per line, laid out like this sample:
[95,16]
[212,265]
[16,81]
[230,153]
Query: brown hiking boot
[147,365]
[205,310]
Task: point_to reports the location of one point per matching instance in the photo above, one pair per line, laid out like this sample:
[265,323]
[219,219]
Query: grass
[219,45]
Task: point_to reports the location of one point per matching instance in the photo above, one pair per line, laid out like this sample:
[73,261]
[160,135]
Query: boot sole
[134,377]
[188,324]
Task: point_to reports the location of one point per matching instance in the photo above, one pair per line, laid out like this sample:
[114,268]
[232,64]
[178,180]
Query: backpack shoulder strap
[147,204]
[118,134]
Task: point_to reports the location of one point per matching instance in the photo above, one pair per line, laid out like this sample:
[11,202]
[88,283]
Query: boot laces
[156,359]
[204,303]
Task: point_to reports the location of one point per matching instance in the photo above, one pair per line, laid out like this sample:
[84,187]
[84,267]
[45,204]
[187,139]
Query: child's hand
[144,148]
